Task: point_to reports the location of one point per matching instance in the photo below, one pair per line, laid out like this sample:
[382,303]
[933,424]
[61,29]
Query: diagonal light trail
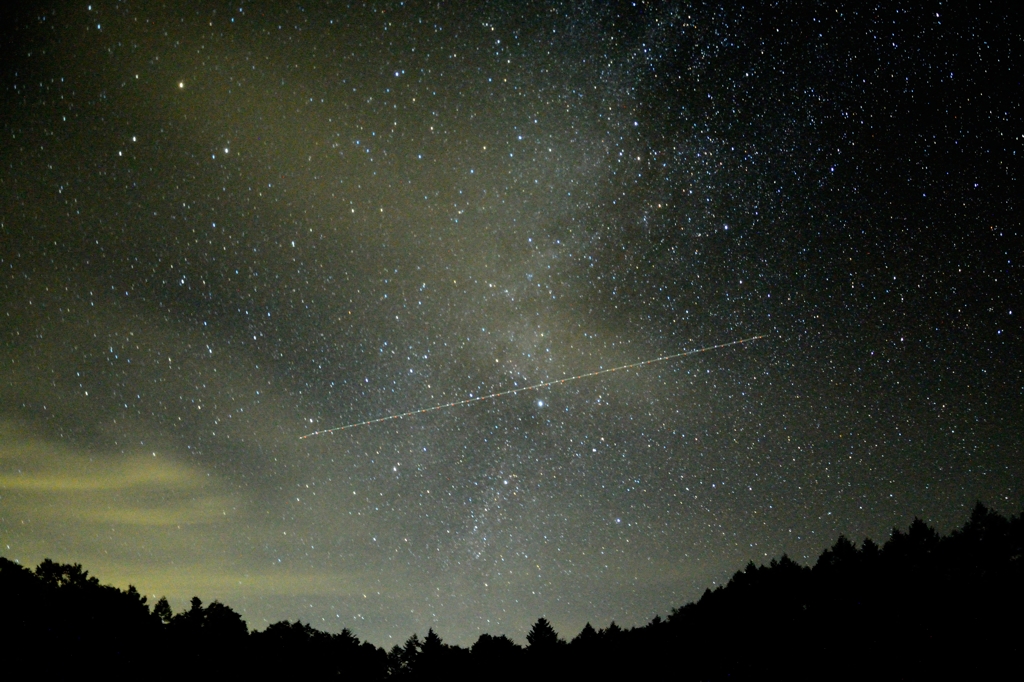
[534,387]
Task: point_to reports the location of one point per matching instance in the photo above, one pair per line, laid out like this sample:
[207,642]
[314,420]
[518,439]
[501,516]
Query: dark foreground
[921,606]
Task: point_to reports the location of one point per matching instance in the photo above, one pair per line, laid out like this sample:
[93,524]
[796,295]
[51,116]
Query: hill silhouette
[922,606]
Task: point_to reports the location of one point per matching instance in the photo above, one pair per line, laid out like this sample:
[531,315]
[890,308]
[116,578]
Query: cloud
[71,474]
[184,581]
[204,510]
[46,481]
[149,518]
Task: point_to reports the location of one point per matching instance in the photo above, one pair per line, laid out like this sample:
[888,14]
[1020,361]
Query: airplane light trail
[534,387]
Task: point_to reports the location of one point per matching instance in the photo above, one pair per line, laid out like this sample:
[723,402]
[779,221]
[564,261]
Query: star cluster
[224,226]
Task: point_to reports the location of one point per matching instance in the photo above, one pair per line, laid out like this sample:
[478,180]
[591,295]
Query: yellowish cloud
[45,480]
[54,473]
[158,522]
[185,581]
[203,510]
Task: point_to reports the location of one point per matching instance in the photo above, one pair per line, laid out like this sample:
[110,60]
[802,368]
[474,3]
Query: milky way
[227,226]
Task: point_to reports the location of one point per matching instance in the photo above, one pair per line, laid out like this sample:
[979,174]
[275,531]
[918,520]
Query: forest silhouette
[921,606]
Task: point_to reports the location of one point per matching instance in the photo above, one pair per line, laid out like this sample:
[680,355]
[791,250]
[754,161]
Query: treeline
[921,606]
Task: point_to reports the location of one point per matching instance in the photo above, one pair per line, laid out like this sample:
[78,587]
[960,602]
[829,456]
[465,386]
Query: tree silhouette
[64,575]
[542,637]
[925,603]
[497,658]
[587,638]
[162,610]
[402,660]
[543,649]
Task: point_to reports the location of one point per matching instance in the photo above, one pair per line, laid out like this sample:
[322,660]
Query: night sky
[226,226]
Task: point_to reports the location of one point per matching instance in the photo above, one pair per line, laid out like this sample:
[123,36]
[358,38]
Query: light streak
[534,387]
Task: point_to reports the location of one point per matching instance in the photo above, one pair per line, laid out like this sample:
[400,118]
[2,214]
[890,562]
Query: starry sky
[224,226]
